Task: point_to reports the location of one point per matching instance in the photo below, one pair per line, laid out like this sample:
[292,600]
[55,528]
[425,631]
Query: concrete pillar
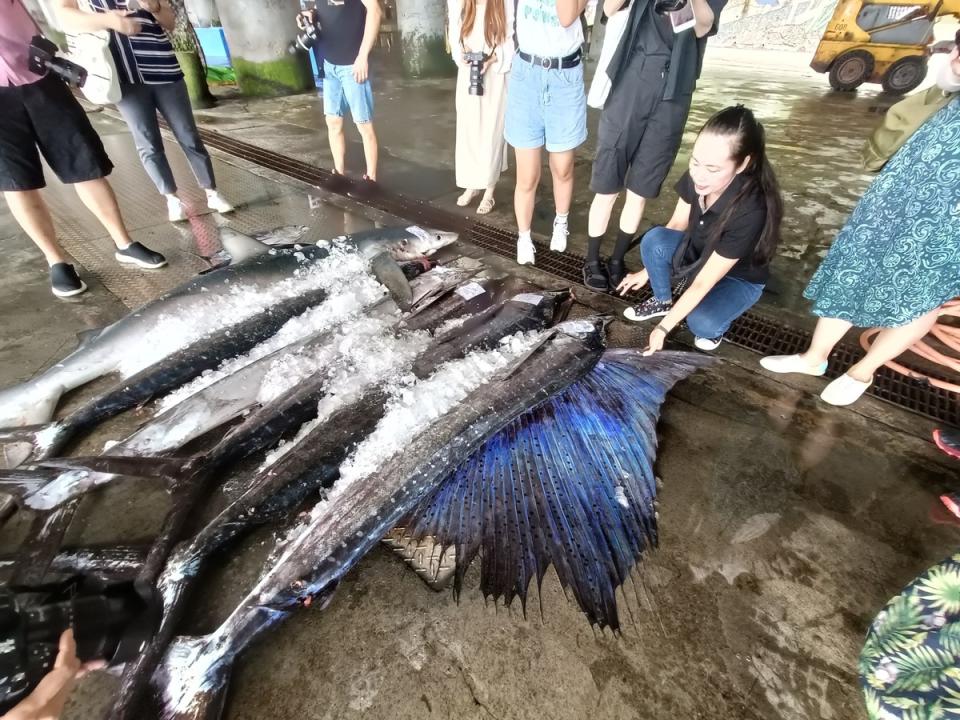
[203,13]
[259,33]
[422,25]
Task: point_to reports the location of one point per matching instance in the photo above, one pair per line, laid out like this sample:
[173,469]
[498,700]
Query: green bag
[901,121]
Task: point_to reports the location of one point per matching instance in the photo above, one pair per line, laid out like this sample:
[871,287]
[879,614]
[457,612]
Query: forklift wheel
[904,75]
[851,70]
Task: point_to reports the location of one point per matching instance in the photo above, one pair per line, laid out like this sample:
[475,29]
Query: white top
[539,31]
[475,42]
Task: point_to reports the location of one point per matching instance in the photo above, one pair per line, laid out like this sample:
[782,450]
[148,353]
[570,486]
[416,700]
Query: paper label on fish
[470,290]
[529,298]
[419,233]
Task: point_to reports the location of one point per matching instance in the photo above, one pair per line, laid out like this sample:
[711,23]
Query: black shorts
[640,132]
[45,117]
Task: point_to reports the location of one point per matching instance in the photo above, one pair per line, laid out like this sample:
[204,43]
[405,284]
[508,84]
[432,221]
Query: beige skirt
[481,147]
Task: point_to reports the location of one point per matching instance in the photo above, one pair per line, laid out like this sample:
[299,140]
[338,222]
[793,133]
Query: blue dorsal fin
[569,483]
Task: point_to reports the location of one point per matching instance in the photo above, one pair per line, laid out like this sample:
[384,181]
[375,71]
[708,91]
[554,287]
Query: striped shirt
[145,58]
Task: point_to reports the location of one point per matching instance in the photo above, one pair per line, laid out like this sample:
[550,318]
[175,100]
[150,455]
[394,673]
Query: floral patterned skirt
[910,665]
[898,256]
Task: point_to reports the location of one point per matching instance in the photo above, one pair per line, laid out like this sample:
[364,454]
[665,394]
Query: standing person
[722,236]
[348,30]
[151,81]
[546,107]
[481,26]
[40,115]
[896,261]
[652,76]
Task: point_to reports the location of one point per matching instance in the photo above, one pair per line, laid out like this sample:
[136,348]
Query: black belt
[563,63]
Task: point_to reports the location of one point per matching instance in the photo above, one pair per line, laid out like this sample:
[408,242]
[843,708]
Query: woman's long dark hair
[748,139]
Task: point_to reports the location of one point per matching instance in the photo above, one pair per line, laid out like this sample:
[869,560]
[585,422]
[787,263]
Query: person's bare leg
[891,343]
[632,213]
[600,211]
[828,333]
[98,196]
[561,168]
[338,144]
[371,150]
[525,193]
[33,215]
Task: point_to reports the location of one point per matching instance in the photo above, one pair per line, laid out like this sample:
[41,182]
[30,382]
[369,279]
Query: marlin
[345,418]
[257,276]
[405,459]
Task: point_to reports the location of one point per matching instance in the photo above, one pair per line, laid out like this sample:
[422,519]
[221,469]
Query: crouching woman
[721,239]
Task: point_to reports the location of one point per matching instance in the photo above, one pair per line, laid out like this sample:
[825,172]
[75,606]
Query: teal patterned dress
[910,665]
[898,256]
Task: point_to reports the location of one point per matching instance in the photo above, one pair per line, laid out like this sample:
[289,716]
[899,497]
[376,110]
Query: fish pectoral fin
[568,483]
[389,273]
[166,468]
[508,371]
[241,247]
[85,337]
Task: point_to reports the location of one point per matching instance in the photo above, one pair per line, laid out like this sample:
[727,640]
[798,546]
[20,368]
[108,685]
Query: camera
[43,57]
[110,622]
[476,60]
[309,33]
[665,7]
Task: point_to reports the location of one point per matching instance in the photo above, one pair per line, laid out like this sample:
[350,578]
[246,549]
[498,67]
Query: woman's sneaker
[217,203]
[526,252]
[176,212]
[649,308]
[137,254]
[64,281]
[707,344]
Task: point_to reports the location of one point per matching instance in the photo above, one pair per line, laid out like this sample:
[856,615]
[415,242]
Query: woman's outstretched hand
[632,282]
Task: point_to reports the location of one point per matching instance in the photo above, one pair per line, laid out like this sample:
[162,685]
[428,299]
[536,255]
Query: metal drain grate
[753,331]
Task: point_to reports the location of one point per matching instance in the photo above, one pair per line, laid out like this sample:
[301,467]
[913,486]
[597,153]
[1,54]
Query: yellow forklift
[880,41]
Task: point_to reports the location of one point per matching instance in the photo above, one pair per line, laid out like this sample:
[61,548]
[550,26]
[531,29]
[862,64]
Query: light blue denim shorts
[545,107]
[341,92]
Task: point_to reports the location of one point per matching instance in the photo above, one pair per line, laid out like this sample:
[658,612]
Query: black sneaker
[649,308]
[64,281]
[138,254]
[595,276]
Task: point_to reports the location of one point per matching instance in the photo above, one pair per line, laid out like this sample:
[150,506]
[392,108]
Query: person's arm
[705,17]
[679,221]
[162,13]
[569,11]
[361,67]
[612,7]
[73,19]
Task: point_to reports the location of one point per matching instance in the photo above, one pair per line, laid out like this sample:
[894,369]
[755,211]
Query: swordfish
[258,277]
[425,434]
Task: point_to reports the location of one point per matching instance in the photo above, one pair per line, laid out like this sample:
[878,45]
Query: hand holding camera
[478,63]
[124,23]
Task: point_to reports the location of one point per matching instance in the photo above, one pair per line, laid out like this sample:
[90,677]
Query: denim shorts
[341,91]
[545,107]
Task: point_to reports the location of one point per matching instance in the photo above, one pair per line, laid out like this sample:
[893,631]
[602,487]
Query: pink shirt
[17,28]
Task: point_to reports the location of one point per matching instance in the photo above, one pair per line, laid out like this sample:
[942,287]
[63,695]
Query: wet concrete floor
[785,524]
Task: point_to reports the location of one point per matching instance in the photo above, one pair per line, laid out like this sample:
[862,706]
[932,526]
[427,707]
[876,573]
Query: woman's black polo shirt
[741,234]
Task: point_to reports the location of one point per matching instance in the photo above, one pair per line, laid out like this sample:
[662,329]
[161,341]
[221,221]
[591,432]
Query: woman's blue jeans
[727,300]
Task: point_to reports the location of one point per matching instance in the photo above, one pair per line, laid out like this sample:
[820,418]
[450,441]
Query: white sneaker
[708,344]
[844,391]
[558,241]
[526,252]
[216,202]
[175,210]
[785,364]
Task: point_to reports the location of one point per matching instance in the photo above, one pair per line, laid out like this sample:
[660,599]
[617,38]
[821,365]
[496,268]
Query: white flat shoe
[466,198]
[785,364]
[217,203]
[486,205]
[175,210]
[526,252]
[844,391]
